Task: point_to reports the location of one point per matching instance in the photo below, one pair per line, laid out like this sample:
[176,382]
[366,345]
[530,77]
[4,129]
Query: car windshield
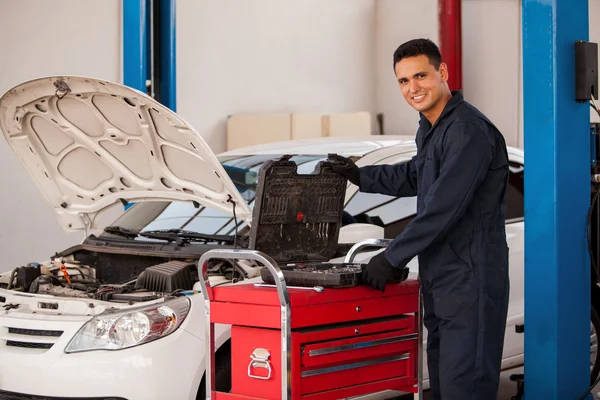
[165,215]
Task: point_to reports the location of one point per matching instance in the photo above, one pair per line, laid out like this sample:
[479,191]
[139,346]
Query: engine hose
[12,278]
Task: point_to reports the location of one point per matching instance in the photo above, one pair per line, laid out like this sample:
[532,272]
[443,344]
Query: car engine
[68,277]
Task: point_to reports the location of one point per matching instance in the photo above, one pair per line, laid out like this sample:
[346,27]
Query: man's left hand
[378,272]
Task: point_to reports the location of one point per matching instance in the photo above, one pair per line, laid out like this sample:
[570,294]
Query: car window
[515,201]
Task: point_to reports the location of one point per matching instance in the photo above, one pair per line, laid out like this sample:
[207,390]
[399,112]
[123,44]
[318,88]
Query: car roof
[347,146]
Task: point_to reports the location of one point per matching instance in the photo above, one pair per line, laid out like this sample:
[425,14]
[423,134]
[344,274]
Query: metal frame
[286,318]
[354,250]
[284,302]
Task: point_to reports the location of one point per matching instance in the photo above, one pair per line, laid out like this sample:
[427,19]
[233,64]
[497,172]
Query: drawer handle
[260,359]
[347,347]
[346,367]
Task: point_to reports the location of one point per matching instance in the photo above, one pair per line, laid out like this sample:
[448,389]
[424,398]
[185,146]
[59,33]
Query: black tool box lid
[297,217]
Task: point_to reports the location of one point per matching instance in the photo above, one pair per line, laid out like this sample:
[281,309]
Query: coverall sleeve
[393,180]
[465,159]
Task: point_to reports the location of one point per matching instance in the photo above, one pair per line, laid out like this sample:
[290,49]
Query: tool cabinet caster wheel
[520,379]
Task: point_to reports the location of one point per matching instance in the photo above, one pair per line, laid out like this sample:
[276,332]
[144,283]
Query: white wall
[399,21]
[491,52]
[491,62]
[41,38]
[272,56]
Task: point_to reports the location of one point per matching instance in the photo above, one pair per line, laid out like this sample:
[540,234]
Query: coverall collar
[455,100]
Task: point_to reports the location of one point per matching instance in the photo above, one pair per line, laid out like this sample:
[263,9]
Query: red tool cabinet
[303,344]
[298,343]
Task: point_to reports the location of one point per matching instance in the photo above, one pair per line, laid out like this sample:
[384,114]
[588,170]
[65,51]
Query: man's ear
[444,72]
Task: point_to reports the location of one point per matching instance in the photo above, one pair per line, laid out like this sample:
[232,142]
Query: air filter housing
[166,277]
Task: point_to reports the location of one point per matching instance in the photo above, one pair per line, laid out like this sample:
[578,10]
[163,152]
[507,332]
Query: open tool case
[297,220]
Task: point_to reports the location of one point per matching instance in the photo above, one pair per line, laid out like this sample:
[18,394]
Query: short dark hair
[417,47]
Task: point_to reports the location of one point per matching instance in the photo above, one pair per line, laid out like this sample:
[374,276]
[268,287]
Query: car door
[515,235]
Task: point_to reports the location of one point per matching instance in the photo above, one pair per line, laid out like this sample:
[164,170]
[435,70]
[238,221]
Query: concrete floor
[508,388]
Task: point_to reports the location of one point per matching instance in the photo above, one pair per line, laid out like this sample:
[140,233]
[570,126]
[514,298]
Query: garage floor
[508,389]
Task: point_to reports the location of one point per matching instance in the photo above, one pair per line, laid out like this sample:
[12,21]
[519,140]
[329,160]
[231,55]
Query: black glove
[345,167]
[378,272]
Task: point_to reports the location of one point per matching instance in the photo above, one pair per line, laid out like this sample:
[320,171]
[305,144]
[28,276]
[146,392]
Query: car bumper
[167,368]
[4,395]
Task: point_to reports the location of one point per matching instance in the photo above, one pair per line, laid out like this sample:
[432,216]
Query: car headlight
[128,328]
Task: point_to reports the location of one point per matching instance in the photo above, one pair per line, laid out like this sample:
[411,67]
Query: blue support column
[135,44]
[557,197]
[168,82]
[136,37]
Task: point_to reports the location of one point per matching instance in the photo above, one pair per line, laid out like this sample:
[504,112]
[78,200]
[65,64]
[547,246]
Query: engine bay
[122,278]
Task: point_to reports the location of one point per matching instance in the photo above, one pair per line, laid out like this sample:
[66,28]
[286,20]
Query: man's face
[421,84]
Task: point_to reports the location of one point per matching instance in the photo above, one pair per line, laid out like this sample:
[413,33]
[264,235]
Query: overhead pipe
[449,13]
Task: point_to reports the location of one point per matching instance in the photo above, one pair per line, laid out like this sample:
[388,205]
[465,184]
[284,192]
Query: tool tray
[297,220]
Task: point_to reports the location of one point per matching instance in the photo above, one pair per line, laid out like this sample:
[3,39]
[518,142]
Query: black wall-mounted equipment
[586,71]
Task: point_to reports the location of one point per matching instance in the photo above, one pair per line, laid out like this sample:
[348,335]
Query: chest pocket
[430,166]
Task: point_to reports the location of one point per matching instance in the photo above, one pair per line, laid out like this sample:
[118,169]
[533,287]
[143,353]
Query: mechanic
[460,178]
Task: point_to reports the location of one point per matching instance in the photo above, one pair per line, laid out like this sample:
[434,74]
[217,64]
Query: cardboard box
[307,126]
[251,129]
[348,124]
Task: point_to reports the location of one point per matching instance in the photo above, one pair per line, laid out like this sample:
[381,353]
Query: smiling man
[460,178]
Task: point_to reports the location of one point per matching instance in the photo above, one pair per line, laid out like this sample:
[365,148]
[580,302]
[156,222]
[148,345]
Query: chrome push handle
[284,302]
[354,250]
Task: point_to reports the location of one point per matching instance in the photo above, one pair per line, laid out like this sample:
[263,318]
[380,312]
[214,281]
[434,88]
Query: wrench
[317,289]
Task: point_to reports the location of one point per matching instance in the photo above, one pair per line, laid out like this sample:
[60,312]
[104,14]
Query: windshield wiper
[131,233]
[171,237]
[189,235]
[119,230]
[179,236]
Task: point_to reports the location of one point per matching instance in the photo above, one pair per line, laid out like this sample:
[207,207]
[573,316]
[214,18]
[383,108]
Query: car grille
[35,332]
[40,339]
[28,345]
[4,395]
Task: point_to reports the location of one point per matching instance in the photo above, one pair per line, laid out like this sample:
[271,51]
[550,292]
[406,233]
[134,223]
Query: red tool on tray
[330,337]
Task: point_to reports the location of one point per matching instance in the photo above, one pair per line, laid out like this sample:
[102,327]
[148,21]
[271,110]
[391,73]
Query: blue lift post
[168,55]
[137,49]
[136,19]
[135,43]
[557,198]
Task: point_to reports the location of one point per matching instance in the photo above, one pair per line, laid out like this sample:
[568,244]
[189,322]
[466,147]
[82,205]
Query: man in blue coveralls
[460,178]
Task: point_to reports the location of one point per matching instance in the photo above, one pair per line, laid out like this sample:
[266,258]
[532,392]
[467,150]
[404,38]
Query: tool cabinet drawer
[340,362]
[358,348]
[355,373]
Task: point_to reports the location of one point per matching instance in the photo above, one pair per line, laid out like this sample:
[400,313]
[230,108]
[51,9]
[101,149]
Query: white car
[116,316]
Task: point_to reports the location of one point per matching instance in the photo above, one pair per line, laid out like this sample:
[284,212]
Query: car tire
[595,363]
[222,372]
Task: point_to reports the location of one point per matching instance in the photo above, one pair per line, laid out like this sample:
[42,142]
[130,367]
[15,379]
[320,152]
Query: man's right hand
[345,167]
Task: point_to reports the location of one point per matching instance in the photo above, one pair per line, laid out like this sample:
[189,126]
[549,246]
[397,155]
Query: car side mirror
[354,233]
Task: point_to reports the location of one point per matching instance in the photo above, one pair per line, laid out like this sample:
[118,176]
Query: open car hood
[89,143]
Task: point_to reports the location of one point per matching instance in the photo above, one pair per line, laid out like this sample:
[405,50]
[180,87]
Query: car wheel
[222,372]
[594,354]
